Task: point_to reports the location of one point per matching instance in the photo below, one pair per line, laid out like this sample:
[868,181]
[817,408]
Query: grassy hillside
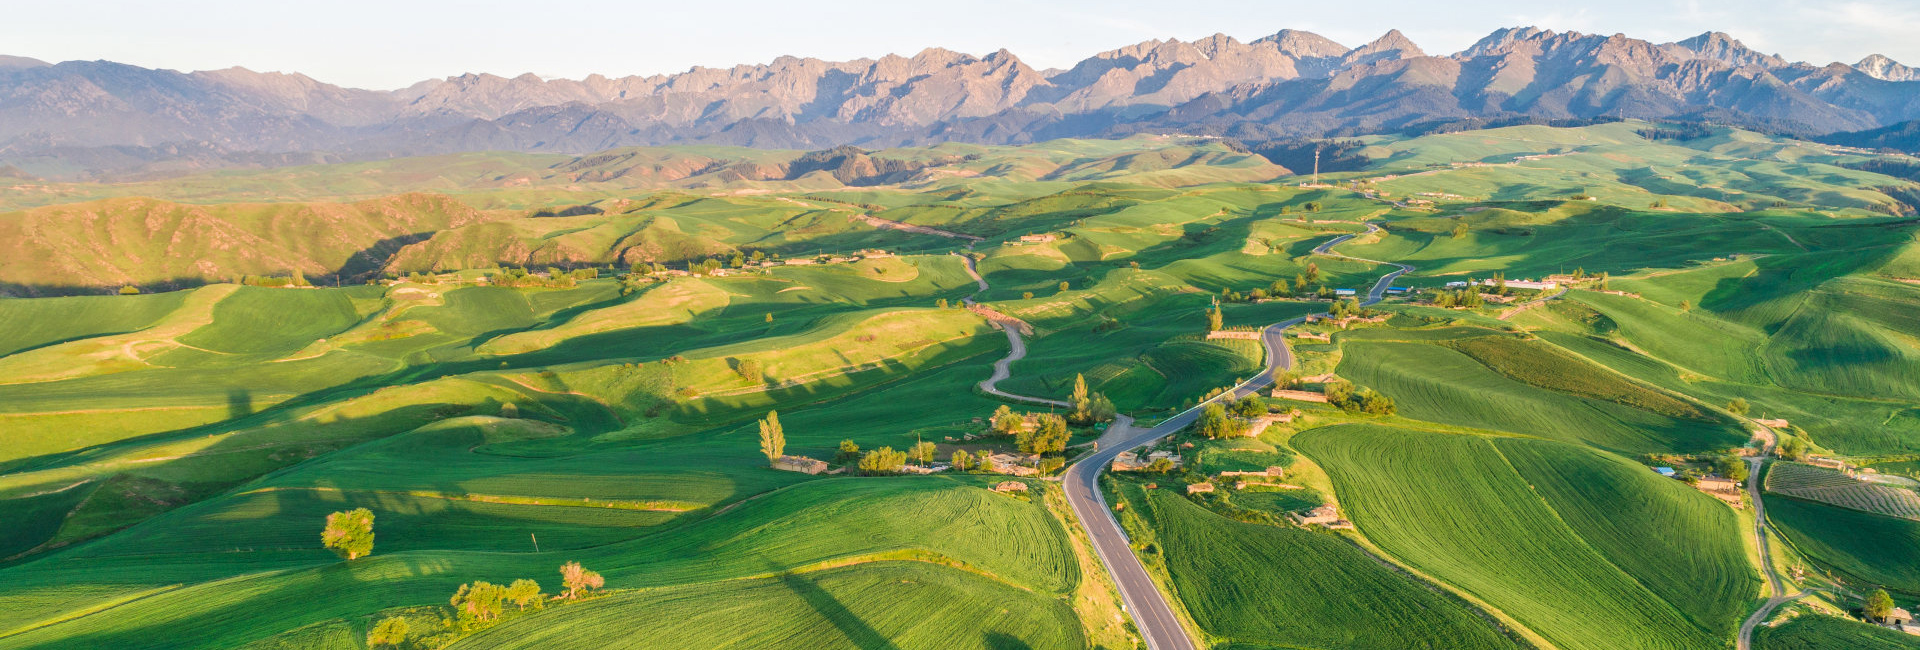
[1461,508]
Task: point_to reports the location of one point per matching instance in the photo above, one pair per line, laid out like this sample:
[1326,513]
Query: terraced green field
[1878,549]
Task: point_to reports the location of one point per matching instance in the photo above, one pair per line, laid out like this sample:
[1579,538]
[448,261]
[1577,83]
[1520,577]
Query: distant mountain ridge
[79,119]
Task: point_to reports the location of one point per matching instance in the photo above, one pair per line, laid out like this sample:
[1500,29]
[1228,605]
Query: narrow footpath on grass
[1152,614]
[1779,596]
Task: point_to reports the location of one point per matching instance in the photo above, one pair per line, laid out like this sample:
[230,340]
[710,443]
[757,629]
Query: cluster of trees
[1791,447]
[479,604]
[1358,400]
[1468,297]
[1089,408]
[882,461]
[1308,283]
[554,277]
[1049,435]
[294,279]
[1349,307]
[1215,423]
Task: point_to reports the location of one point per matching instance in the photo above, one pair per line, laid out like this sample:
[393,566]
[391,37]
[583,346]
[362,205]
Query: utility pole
[536,542]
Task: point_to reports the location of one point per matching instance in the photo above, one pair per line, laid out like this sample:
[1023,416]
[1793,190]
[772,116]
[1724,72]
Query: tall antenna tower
[1316,165]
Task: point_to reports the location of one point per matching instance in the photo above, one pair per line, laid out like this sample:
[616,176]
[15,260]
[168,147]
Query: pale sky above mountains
[387,44]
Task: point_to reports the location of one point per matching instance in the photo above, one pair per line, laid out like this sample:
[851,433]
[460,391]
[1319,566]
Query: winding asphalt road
[1151,613]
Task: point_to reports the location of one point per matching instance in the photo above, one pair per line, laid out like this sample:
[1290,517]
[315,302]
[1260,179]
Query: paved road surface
[1151,613]
[1780,597]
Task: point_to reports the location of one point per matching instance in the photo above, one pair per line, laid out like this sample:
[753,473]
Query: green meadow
[515,361]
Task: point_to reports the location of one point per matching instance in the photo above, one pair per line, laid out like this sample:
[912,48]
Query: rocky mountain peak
[1885,69]
[1727,49]
[1304,45]
[1390,46]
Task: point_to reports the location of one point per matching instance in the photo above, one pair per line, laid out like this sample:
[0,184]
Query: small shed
[801,464]
[1899,616]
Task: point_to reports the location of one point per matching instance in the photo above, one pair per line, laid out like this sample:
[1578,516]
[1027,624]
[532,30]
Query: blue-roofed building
[1665,471]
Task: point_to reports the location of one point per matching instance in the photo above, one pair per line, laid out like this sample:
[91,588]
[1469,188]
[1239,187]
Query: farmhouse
[1666,471]
[1127,461]
[1200,488]
[1324,515]
[801,464]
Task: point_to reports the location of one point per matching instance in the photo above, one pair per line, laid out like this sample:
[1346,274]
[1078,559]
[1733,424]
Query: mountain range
[99,119]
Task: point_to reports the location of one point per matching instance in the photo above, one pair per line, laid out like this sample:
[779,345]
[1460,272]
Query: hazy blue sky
[391,43]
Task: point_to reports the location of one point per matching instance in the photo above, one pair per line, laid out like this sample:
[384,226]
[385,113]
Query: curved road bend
[1151,613]
[1780,595]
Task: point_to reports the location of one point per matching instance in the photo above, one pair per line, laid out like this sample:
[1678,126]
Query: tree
[129,290]
[769,317]
[848,451]
[941,303]
[882,461]
[1081,403]
[1792,448]
[1738,406]
[1879,604]
[1005,421]
[1686,306]
[922,452]
[1063,285]
[1216,320]
[1459,230]
[1160,466]
[1250,407]
[1026,295]
[389,631]
[773,440]
[962,460]
[1101,409]
[1048,437]
[1338,392]
[349,533]
[524,592]
[478,601]
[1731,467]
[578,580]
[748,370]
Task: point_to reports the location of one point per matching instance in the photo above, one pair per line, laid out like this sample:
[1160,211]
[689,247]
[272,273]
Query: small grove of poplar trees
[773,439]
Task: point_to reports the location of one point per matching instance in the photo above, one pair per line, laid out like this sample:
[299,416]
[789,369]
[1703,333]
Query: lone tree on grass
[773,440]
[1738,406]
[1878,605]
[849,450]
[578,580]
[349,533]
[391,631]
